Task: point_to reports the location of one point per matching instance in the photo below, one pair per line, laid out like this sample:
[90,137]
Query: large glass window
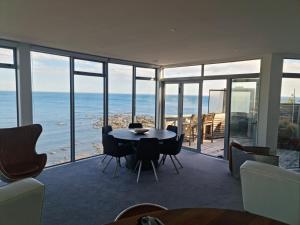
[51,104]
[88,115]
[119,95]
[8,94]
[186,71]
[241,67]
[171,104]
[291,65]
[88,66]
[288,142]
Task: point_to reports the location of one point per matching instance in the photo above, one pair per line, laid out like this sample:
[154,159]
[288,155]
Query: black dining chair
[171,148]
[135,125]
[172,128]
[115,150]
[105,130]
[147,150]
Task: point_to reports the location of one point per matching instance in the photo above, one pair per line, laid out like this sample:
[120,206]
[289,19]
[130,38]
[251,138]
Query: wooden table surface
[202,216]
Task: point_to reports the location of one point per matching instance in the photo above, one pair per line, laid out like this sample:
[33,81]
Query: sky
[51,73]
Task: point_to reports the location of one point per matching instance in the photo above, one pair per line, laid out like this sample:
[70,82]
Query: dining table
[201,216]
[129,136]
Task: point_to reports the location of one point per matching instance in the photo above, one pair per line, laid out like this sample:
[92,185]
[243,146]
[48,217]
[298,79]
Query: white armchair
[271,191]
[21,202]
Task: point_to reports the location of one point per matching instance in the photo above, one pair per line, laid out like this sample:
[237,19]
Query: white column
[269,101]
[24,84]
[159,99]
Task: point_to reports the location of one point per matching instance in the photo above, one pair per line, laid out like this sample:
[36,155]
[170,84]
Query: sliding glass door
[243,110]
[171,96]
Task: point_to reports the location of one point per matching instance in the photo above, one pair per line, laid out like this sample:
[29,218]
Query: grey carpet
[80,194]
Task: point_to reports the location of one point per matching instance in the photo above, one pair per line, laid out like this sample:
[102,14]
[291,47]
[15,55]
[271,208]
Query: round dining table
[201,216]
[126,135]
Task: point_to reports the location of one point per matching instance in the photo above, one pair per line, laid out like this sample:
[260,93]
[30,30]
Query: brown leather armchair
[238,154]
[18,157]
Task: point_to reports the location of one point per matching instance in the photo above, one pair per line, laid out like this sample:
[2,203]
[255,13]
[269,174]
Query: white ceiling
[156,31]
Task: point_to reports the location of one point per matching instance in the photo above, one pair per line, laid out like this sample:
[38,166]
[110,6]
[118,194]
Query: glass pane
[6,56]
[145,72]
[145,102]
[190,115]
[187,71]
[289,123]
[243,118]
[291,65]
[88,66]
[171,104]
[213,117]
[88,115]
[241,67]
[120,95]
[51,105]
[8,98]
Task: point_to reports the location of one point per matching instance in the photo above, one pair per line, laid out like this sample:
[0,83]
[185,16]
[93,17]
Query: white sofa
[21,202]
[271,191]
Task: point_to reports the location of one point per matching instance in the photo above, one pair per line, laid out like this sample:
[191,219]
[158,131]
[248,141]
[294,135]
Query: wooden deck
[214,149]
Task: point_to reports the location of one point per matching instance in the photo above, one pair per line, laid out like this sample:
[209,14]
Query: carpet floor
[80,194]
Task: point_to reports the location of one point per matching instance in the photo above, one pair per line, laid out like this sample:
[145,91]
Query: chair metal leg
[140,168]
[161,160]
[117,166]
[107,164]
[154,170]
[165,156]
[178,161]
[174,164]
[103,158]
[136,166]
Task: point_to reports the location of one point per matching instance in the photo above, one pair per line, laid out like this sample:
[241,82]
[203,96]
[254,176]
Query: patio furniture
[238,154]
[213,126]
[271,191]
[139,209]
[21,202]
[18,157]
[115,150]
[207,126]
[203,216]
[190,128]
[135,125]
[172,128]
[171,148]
[147,150]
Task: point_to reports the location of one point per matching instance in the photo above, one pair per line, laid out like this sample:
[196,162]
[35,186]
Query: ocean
[52,111]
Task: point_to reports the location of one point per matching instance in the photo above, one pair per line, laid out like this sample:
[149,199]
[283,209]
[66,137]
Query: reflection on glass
[213,117]
[119,95]
[241,67]
[187,71]
[291,65]
[145,72]
[145,102]
[51,105]
[6,56]
[88,66]
[190,115]
[8,98]
[171,104]
[88,115]
[288,141]
[243,118]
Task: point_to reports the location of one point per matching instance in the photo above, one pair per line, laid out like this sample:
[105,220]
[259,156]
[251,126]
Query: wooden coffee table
[202,216]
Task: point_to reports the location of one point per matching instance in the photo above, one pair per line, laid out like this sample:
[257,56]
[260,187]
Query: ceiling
[159,32]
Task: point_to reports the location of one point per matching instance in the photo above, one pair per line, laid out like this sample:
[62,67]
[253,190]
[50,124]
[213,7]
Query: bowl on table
[140,130]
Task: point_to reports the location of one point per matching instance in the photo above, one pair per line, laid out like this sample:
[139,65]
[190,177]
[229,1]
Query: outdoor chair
[115,150]
[171,148]
[190,129]
[135,125]
[172,128]
[18,157]
[147,150]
